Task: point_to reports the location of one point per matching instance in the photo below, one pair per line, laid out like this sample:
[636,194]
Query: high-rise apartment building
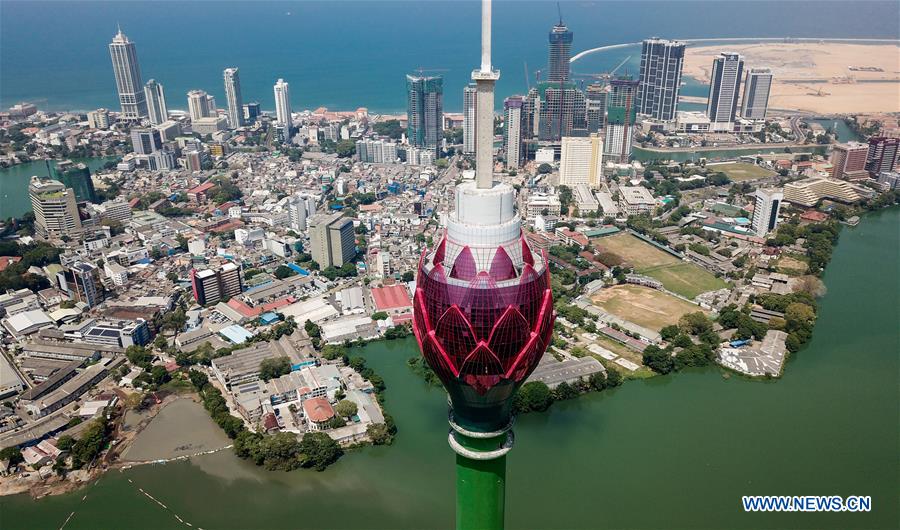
[283,107]
[724,86]
[213,285]
[884,155]
[128,77]
[660,78]
[98,119]
[554,111]
[156,102]
[425,111]
[581,161]
[77,177]
[595,102]
[332,240]
[251,112]
[757,87]
[512,131]
[146,141]
[766,205]
[621,114]
[233,98]
[198,104]
[55,209]
[469,98]
[83,281]
[558,68]
[297,213]
[376,151]
[848,161]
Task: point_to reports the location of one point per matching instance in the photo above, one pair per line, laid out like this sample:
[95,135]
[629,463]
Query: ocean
[344,55]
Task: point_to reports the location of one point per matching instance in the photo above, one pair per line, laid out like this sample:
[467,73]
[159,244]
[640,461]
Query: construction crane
[527,80]
[620,65]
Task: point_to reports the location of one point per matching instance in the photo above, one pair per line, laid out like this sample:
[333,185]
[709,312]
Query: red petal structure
[483,330]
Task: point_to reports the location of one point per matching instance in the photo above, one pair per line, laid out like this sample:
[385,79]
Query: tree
[695,323]
[613,377]
[565,391]
[379,434]
[139,356]
[312,329]
[598,381]
[389,128]
[543,169]
[534,395]
[283,271]
[658,360]
[669,332]
[65,442]
[318,450]
[408,276]
[13,455]
[274,367]
[345,408]
[159,375]
[345,148]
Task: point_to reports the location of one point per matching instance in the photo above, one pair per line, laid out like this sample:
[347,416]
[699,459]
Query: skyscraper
[558,68]
[621,114]
[55,210]
[724,86]
[469,119]
[425,111]
[128,77]
[581,160]
[766,204]
[145,141]
[77,177]
[482,316]
[595,101]
[283,106]
[331,239]
[233,97]
[560,109]
[884,155]
[156,102]
[512,131]
[660,78]
[198,104]
[756,93]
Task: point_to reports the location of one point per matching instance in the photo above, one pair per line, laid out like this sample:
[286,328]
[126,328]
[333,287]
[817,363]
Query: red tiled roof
[6,261]
[810,215]
[318,410]
[270,421]
[202,187]
[243,308]
[391,297]
[399,319]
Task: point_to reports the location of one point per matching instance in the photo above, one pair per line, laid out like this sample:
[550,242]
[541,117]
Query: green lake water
[670,452]
[14,200]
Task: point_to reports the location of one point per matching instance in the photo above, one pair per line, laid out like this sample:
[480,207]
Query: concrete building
[332,240]
[585,201]
[252,111]
[635,200]
[888,180]
[297,213]
[425,112]
[512,131]
[848,161]
[595,102]
[621,115]
[233,98]
[542,204]
[757,86]
[209,125]
[581,161]
[198,106]
[884,155]
[469,119]
[808,192]
[724,88]
[98,119]
[554,110]
[213,285]
[145,141]
[283,107]
[660,78]
[55,210]
[82,282]
[766,205]
[157,110]
[376,151]
[128,77]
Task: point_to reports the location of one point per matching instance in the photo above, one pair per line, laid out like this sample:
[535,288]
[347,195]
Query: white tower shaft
[484,78]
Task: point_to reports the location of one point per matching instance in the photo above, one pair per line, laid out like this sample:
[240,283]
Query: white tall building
[724,86]
[198,104]
[55,210]
[98,119]
[766,204]
[156,102]
[211,106]
[469,119]
[512,131]
[128,77]
[297,213]
[757,86]
[233,98]
[581,161]
[283,104]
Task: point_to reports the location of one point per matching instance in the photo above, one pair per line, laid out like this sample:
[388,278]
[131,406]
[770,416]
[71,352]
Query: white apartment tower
[128,77]
[512,131]
[767,203]
[283,104]
[581,161]
[469,97]
[724,86]
[198,104]
[233,98]
[757,86]
[55,210]
[156,102]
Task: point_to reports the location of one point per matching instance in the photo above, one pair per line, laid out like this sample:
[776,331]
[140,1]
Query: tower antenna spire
[559,10]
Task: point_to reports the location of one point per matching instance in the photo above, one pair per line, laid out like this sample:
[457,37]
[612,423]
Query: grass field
[738,171]
[644,306]
[792,266]
[686,279]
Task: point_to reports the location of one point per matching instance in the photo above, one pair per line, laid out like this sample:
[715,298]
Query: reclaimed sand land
[816,77]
